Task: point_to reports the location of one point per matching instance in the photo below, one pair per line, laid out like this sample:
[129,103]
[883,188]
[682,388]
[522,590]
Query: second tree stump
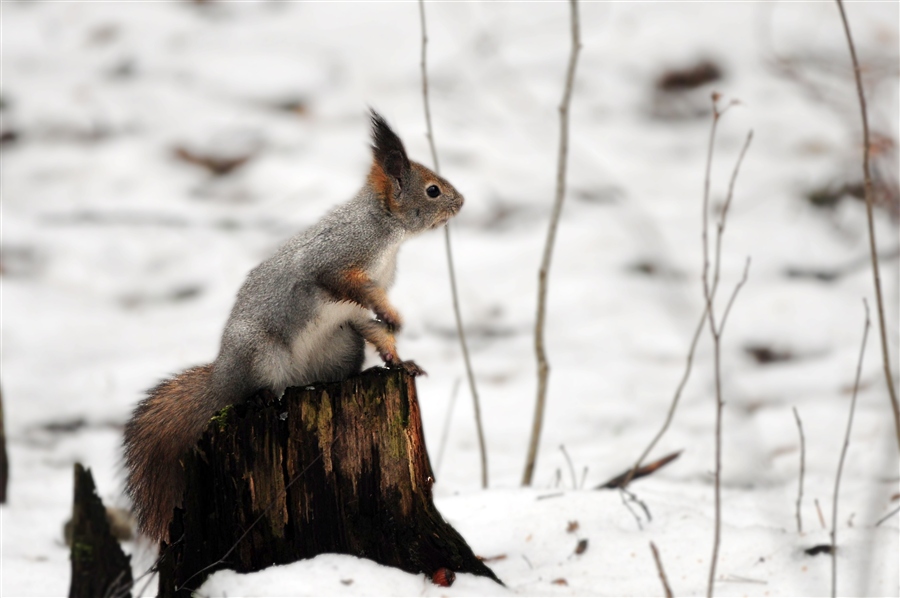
[339,468]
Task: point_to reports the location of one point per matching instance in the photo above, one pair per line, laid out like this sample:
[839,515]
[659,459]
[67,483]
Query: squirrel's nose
[460,200]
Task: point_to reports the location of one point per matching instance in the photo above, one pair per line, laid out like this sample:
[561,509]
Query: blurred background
[152,153]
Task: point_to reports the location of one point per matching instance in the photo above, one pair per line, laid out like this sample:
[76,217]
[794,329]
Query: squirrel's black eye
[433,191]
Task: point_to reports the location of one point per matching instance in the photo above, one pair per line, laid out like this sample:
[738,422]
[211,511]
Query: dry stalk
[674,404]
[661,571]
[689,361]
[543,365]
[453,291]
[837,478]
[717,329]
[445,433]
[802,471]
[873,247]
[819,511]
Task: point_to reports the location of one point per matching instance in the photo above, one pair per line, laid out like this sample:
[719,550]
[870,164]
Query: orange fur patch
[425,174]
[354,284]
[381,183]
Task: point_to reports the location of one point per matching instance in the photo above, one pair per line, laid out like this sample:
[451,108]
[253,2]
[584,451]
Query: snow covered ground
[120,262]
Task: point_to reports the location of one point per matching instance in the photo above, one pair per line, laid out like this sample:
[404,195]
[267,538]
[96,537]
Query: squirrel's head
[410,192]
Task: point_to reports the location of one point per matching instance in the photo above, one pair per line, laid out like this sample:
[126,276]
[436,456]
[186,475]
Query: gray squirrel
[302,316]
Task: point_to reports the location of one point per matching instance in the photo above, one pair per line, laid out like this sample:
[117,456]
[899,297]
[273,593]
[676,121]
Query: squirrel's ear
[387,148]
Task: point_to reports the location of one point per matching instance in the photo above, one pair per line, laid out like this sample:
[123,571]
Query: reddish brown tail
[163,427]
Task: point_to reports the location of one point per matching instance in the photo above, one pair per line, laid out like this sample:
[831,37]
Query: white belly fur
[313,349]
[310,347]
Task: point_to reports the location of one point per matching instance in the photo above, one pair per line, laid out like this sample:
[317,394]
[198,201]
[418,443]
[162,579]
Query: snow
[120,263]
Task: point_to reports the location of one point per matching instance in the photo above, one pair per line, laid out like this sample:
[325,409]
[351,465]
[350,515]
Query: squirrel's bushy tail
[163,427]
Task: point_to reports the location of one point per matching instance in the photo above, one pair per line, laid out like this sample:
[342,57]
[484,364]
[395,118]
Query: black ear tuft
[387,147]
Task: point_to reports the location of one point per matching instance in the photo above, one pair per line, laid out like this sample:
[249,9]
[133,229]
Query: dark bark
[99,567]
[4,461]
[330,468]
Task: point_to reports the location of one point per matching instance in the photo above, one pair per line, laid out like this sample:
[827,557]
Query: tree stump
[330,468]
[99,567]
[4,461]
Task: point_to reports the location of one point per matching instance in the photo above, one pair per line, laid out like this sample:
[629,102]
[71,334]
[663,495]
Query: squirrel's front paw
[388,358]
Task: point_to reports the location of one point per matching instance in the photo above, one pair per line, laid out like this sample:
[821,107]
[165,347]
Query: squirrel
[302,316]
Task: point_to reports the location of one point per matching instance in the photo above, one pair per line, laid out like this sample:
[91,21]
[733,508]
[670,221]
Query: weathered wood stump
[330,468]
[99,567]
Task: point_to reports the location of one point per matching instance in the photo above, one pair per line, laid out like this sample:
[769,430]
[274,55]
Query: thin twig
[888,516]
[673,405]
[623,494]
[709,291]
[711,318]
[873,246]
[661,571]
[634,498]
[118,587]
[716,329]
[703,317]
[802,471]
[543,275]
[479,428]
[723,218]
[565,453]
[819,511]
[555,494]
[837,478]
[423,64]
[445,433]
[154,568]
[718,473]
[734,294]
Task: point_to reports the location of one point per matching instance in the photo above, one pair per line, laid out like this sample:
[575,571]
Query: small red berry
[443,577]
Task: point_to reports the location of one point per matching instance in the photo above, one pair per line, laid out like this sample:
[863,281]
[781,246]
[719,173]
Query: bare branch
[734,175]
[453,290]
[716,332]
[710,288]
[543,365]
[837,478]
[709,293]
[734,294]
[720,404]
[802,470]
[873,246]
[716,329]
[661,571]
[720,226]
